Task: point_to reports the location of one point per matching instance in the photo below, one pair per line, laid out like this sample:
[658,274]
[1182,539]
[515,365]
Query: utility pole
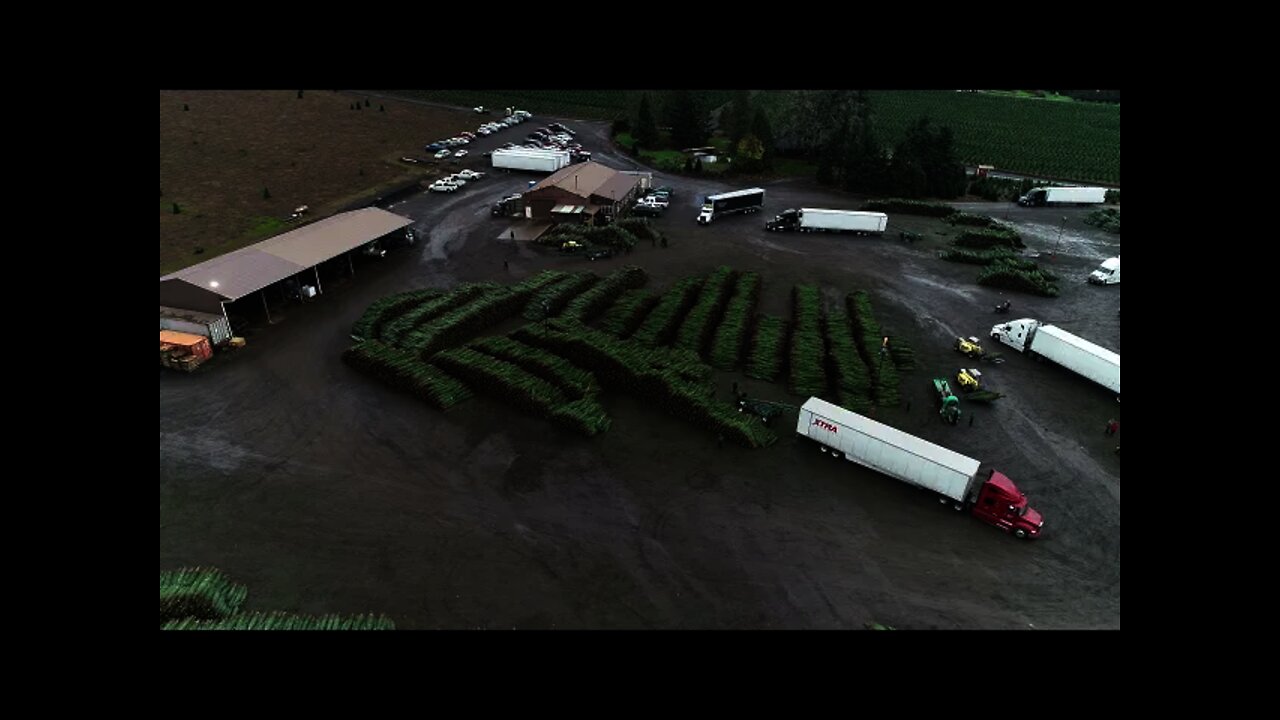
[1059,240]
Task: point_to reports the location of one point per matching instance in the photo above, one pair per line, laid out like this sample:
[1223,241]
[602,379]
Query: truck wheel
[944,499]
[957,506]
[1020,533]
[837,454]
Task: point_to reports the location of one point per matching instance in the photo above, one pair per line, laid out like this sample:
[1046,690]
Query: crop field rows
[659,348]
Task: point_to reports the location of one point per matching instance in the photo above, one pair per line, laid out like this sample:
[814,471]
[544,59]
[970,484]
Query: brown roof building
[207,286]
[580,191]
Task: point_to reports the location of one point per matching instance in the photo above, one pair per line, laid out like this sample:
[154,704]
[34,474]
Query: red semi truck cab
[1001,504]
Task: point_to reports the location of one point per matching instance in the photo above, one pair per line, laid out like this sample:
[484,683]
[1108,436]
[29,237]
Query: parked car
[443,186]
[483,131]
[508,144]
[482,110]
[466,134]
[599,253]
[460,153]
[457,179]
[471,174]
[442,154]
[433,147]
[654,201]
[646,210]
[663,189]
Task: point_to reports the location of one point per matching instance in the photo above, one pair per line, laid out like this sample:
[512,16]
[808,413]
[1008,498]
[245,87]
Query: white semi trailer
[1039,197]
[1061,347]
[530,159]
[820,220]
[954,477]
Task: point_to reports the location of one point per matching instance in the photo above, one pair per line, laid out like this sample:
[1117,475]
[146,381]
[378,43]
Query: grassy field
[217,158]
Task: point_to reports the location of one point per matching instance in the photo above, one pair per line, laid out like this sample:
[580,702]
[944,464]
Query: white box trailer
[888,450]
[1038,197]
[214,327]
[954,477]
[1062,348]
[820,220]
[529,159]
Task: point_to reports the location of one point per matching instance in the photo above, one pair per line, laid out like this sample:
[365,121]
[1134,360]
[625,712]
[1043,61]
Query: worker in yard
[1112,427]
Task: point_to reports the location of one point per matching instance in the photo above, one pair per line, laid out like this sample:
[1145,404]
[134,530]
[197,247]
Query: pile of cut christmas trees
[204,599]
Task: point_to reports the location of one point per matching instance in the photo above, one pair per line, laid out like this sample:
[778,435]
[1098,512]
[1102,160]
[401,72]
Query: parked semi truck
[1108,273]
[954,477]
[739,201]
[819,220]
[530,159]
[1039,197]
[1061,347]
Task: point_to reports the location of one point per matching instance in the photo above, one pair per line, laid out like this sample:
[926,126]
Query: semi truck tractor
[819,220]
[530,159]
[739,201]
[1108,273]
[1039,197]
[994,499]
[1062,348]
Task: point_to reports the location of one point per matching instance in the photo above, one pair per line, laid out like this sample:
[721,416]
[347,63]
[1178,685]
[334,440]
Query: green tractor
[950,410]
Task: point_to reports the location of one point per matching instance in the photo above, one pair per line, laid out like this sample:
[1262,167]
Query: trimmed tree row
[664,320]
[808,351]
[524,390]
[884,375]
[731,335]
[407,372]
[695,331]
[768,349]
[660,376]
[551,299]
[587,306]
[852,378]
[628,312]
[370,324]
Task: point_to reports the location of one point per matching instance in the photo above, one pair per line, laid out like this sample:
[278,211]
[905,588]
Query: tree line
[833,128]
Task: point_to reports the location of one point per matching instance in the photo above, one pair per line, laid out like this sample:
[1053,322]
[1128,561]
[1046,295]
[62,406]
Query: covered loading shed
[205,289]
[578,192]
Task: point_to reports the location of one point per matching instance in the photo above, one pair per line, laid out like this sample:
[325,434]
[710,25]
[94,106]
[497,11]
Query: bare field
[217,158]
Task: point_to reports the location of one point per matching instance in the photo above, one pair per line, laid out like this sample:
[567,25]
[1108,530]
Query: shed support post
[352,263]
[264,305]
[318,288]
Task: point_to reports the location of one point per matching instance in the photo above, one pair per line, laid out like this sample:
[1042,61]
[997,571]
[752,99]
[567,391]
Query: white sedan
[442,154]
[460,153]
[443,186]
[470,174]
